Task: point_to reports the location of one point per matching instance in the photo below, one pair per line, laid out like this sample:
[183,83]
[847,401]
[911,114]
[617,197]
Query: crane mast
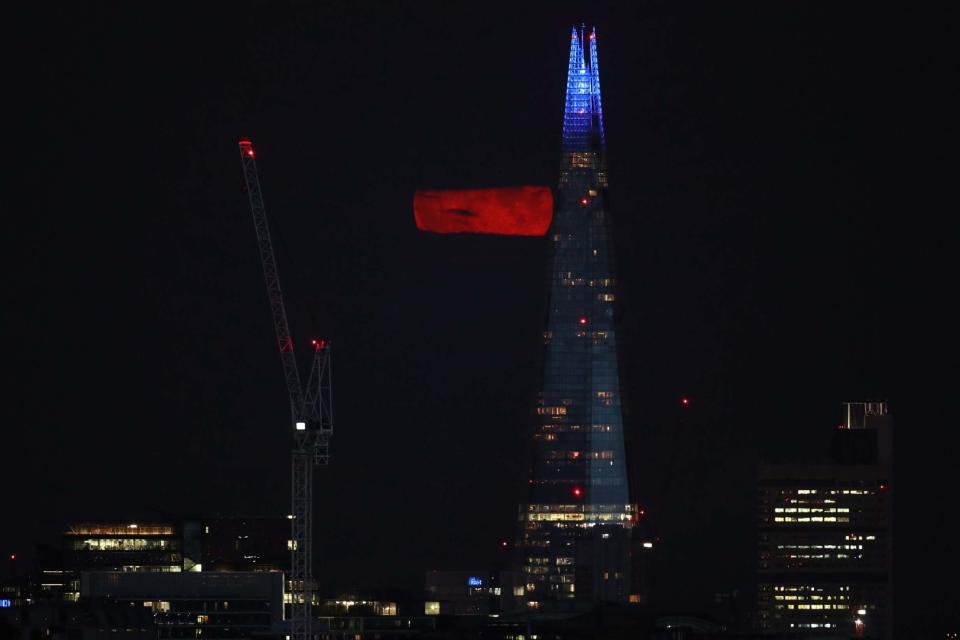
[311,412]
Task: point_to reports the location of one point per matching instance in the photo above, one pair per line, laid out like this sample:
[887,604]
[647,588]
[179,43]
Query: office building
[108,546]
[825,535]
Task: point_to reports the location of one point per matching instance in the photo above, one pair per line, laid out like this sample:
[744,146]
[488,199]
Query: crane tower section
[311,411]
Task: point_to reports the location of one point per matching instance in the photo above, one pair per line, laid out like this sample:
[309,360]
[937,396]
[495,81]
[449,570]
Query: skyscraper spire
[583,116]
[579,499]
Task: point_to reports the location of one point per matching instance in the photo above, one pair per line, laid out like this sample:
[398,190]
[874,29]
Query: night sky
[783,177]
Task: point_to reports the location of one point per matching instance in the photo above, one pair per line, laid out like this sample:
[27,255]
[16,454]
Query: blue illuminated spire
[583,115]
[595,85]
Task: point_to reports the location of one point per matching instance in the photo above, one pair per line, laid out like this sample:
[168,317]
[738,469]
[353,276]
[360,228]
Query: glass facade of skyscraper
[578,476]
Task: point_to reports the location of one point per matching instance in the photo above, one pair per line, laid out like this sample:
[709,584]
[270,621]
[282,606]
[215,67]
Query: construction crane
[311,413]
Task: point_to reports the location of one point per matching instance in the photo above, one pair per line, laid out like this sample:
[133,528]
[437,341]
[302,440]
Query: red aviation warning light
[685,401]
[584,201]
[583,320]
[318,344]
[577,492]
[246,147]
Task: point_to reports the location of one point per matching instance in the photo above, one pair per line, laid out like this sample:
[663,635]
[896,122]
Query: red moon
[512,211]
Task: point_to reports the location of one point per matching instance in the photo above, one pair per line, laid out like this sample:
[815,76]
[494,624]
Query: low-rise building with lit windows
[155,547]
[825,536]
[221,605]
[473,592]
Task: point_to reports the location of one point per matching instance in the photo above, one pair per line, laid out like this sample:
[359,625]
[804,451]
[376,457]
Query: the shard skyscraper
[575,527]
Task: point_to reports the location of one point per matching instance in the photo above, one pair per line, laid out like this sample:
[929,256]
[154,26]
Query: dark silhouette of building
[246,544]
[825,535]
[578,477]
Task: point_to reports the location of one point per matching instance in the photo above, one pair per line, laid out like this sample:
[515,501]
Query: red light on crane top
[685,401]
[13,556]
[583,320]
[246,147]
[577,492]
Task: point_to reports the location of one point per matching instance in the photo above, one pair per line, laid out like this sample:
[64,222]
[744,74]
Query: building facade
[578,476]
[825,535]
[221,605]
[153,547]
[473,593]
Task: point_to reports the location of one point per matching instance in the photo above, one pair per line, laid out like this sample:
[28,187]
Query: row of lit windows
[566,508]
[834,492]
[812,597]
[600,428]
[812,519]
[121,544]
[824,556]
[812,547]
[552,411]
[811,510]
[576,455]
[593,482]
[804,587]
[535,523]
[816,607]
[579,517]
[570,281]
[120,530]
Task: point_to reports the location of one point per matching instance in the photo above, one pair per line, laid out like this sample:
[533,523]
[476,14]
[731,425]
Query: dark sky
[783,176]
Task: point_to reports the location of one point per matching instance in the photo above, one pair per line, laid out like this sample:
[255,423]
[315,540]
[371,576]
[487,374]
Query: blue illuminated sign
[4,604]
[474,582]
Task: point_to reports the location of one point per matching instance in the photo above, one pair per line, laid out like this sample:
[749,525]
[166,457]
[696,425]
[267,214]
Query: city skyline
[784,233]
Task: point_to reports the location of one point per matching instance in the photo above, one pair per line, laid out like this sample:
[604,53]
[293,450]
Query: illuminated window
[552,411]
[431,608]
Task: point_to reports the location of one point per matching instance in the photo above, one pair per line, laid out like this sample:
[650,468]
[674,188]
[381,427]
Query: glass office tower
[578,487]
